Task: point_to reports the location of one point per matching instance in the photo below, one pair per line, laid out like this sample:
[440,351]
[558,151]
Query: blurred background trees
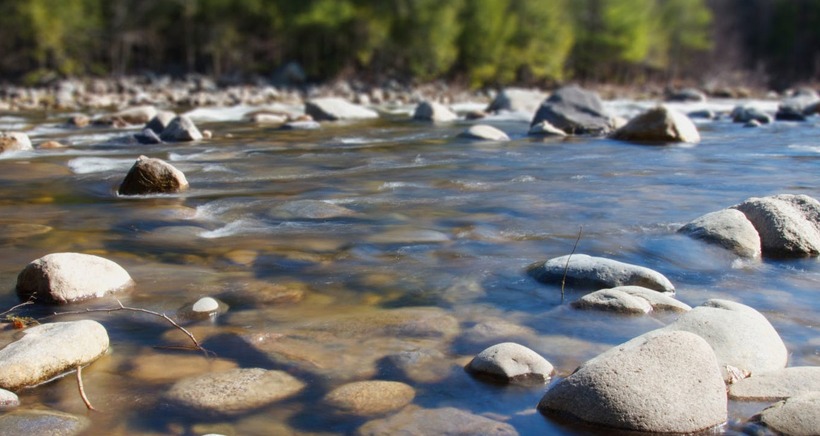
[477,42]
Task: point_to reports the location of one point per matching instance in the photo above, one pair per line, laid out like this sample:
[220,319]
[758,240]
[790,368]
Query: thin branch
[82,390]
[566,267]
[30,301]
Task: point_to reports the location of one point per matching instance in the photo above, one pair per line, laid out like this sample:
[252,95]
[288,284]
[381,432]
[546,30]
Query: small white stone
[8,400]
[206,304]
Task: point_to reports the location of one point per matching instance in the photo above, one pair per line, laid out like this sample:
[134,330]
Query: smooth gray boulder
[42,422]
[630,300]
[728,228]
[544,128]
[574,110]
[512,363]
[370,397]
[435,112]
[740,336]
[777,385]
[597,272]
[658,126]
[747,113]
[442,421]
[798,106]
[517,100]
[48,350]
[160,121]
[233,392]
[14,141]
[181,129]
[668,383]
[796,416]
[61,278]
[152,176]
[335,109]
[788,225]
[484,132]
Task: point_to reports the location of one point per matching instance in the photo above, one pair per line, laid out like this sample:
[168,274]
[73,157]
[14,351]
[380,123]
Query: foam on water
[88,165]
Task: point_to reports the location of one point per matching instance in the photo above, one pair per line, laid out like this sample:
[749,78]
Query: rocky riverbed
[353,260]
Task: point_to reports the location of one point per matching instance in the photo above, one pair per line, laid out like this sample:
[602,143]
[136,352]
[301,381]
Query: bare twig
[566,267]
[82,390]
[30,301]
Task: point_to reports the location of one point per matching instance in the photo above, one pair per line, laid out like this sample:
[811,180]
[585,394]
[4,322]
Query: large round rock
[788,225]
[728,228]
[152,176]
[233,392]
[511,362]
[598,272]
[61,278]
[659,125]
[796,416]
[181,129]
[48,350]
[575,111]
[371,397]
[669,383]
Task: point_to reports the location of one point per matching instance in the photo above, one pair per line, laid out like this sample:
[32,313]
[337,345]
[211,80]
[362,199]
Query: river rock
[372,397]
[301,125]
[234,391]
[443,421]
[136,115]
[8,400]
[614,300]
[160,121]
[48,350]
[746,113]
[51,145]
[511,363]
[669,383]
[204,308]
[574,110]
[598,272]
[181,129]
[798,106]
[516,100]
[544,128]
[484,132]
[42,422]
[310,209]
[788,225]
[741,337]
[435,112]
[147,136]
[689,95]
[335,109]
[420,365]
[14,141]
[795,416]
[152,176]
[659,125]
[170,367]
[777,385]
[728,228]
[61,278]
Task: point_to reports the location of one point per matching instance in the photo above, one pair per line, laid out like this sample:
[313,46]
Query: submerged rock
[435,112]
[61,278]
[152,176]
[659,125]
[747,113]
[181,129]
[630,300]
[14,141]
[788,225]
[544,128]
[443,421]
[796,416]
[42,422]
[669,383]
[484,132]
[48,350]
[777,385]
[372,397]
[310,209]
[512,363]
[587,271]
[728,228]
[335,109]
[234,391]
[576,111]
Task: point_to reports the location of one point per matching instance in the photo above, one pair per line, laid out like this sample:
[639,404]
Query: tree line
[478,42]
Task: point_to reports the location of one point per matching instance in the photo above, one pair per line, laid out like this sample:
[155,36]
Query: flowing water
[410,260]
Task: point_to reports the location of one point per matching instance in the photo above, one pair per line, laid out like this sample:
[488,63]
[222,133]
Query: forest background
[773,43]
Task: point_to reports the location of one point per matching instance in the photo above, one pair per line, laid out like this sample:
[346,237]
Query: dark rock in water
[42,422]
[686,95]
[484,132]
[788,225]
[512,363]
[728,228]
[152,176]
[14,141]
[575,111]
[160,121]
[598,272]
[703,114]
[796,416]
[444,421]
[798,106]
[517,100]
[61,278]
[669,383]
[147,136]
[434,112]
[181,129]
[659,125]
[746,113]
[777,385]
[131,116]
[334,109]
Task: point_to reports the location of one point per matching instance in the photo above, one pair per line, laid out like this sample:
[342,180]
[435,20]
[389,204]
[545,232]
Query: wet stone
[659,125]
[42,422]
[434,112]
[512,363]
[796,416]
[164,368]
[152,176]
[630,299]
[443,421]
[728,228]
[181,129]
[788,225]
[61,278]
[367,398]
[598,272]
[310,209]
[484,132]
[14,141]
[777,385]
[8,400]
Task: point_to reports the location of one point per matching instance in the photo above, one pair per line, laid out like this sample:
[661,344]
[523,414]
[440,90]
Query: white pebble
[206,304]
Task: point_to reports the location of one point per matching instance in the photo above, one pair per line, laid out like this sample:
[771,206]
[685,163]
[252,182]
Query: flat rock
[372,397]
[746,113]
[728,228]
[335,109]
[669,383]
[574,110]
[433,111]
[788,225]
[42,422]
[796,416]
[598,272]
[544,128]
[614,300]
[484,132]
[234,391]
[310,209]
[152,176]
[740,336]
[301,125]
[512,363]
[14,141]
[61,278]
[443,421]
[168,368]
[48,350]
[777,385]
[517,100]
[181,129]
[657,126]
